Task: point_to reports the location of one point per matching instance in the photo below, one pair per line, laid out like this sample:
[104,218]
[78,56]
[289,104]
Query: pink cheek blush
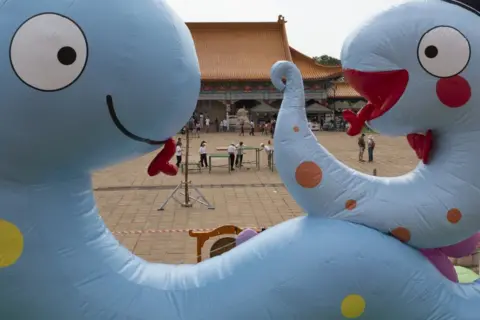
[454,92]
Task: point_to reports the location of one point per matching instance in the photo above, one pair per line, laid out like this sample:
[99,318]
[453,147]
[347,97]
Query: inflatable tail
[325,187]
[311,174]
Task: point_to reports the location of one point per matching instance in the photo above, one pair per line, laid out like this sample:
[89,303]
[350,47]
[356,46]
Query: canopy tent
[263,108]
[359,105]
[318,108]
[340,105]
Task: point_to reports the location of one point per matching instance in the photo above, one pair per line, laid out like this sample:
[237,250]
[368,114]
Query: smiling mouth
[382,89]
[161,162]
[125,131]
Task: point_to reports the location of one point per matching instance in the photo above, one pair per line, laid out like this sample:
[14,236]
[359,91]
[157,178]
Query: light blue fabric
[56,126]
[419,200]
[73,268]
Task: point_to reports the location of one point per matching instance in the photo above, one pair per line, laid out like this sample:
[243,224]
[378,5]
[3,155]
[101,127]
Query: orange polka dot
[308,174]
[350,204]
[402,234]
[454,216]
[296,129]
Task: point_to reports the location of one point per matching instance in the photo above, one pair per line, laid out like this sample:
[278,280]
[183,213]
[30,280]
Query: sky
[314,27]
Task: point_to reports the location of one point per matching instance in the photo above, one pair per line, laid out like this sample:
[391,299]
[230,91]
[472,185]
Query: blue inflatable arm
[412,92]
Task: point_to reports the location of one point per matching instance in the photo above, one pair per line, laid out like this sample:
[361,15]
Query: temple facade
[235,60]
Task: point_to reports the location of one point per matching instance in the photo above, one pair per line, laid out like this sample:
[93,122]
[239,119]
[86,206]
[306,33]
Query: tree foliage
[327,60]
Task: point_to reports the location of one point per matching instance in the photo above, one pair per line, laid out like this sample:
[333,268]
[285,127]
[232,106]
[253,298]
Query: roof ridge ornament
[281,19]
[472,5]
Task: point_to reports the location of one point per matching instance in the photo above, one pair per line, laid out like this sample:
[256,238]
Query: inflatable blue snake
[86,84]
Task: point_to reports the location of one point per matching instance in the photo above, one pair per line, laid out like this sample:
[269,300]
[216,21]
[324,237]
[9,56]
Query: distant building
[235,60]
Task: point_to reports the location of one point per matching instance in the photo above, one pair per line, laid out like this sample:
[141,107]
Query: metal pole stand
[186,185]
[199,198]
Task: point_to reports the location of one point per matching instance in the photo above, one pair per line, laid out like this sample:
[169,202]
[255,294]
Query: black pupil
[66,56]
[431,52]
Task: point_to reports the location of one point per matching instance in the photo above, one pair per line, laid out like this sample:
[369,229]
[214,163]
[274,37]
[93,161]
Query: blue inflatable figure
[86,84]
[417,66]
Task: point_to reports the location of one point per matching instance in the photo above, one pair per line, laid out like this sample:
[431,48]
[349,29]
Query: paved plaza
[128,199]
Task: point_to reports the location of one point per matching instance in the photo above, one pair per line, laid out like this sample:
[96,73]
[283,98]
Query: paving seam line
[200,186]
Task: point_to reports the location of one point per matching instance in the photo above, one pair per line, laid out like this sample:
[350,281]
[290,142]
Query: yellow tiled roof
[231,51]
[342,90]
[311,70]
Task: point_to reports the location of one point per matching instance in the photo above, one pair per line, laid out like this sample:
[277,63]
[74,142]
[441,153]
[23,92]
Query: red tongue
[422,144]
[160,162]
[357,120]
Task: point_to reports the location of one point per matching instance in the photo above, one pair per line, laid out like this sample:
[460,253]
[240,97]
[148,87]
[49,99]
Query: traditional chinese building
[342,96]
[235,60]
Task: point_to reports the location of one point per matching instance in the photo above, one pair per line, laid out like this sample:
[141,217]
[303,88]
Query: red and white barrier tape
[159,231]
[150,231]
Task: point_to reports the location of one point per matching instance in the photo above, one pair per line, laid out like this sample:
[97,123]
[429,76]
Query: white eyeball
[444,52]
[48,52]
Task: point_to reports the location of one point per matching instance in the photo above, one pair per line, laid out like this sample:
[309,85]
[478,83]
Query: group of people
[235,153]
[202,151]
[268,128]
[202,123]
[197,124]
[369,144]
[242,129]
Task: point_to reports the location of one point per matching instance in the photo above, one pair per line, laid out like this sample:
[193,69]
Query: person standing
[224,125]
[201,120]
[361,147]
[178,152]
[203,154]
[242,128]
[197,130]
[239,158]
[252,128]
[371,147]
[207,124]
[217,125]
[191,125]
[274,123]
[266,128]
[268,150]
[231,155]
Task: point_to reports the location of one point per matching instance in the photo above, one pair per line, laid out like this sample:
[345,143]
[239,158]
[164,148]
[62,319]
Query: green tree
[327,60]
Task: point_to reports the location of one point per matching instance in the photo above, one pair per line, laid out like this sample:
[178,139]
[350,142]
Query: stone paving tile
[393,157]
[127,209]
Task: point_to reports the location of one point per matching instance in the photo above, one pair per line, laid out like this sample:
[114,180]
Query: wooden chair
[220,246]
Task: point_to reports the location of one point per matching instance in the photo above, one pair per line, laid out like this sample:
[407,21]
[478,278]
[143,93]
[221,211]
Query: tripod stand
[185,186]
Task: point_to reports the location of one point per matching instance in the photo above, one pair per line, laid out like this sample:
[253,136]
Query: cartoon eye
[444,52]
[48,52]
